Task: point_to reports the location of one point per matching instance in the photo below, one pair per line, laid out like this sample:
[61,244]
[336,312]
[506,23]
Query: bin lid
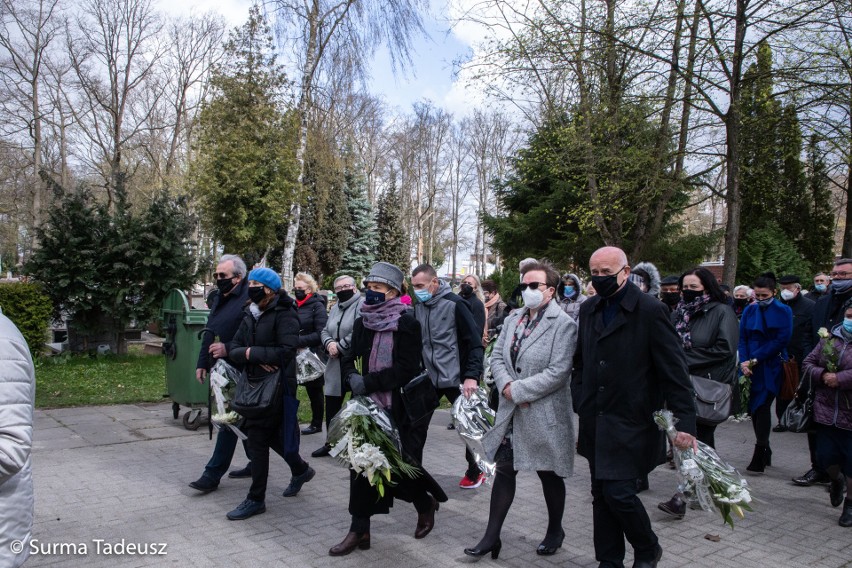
[176,302]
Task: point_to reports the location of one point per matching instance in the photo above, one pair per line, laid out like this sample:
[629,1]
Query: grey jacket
[571,306]
[543,432]
[338,329]
[452,345]
[17,397]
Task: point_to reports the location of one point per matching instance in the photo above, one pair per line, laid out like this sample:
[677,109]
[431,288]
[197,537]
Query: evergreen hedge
[29,308]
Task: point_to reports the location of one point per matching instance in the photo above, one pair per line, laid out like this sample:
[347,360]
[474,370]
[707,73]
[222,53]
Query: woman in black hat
[388,341]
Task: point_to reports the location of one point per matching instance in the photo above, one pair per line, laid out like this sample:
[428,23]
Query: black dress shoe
[650,563]
[241,473]
[479,552]
[204,484]
[312,430]
[837,489]
[846,516]
[349,543]
[674,507]
[426,521]
[548,546]
[812,476]
[321,452]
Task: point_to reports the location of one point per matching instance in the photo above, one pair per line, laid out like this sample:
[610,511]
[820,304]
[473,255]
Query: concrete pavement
[107,477]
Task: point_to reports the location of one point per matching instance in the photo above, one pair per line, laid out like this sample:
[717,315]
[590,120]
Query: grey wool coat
[338,328]
[543,431]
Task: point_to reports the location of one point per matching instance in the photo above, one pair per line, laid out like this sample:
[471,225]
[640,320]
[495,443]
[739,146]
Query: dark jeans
[617,513]
[223,453]
[316,395]
[260,440]
[761,421]
[452,393]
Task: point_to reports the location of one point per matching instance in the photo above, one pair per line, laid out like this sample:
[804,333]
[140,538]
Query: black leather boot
[758,460]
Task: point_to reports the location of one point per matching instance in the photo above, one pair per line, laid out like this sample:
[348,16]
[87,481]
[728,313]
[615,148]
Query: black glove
[356,384]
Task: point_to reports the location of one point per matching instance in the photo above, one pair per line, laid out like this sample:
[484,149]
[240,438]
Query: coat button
[603,363]
[518,369]
[600,413]
[600,389]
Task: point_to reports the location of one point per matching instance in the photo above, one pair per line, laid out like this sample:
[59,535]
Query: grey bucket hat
[386,273]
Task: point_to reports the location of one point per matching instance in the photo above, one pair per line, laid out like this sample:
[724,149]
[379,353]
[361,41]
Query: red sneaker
[467,483]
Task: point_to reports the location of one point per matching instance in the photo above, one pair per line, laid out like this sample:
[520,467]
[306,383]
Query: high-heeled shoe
[549,548]
[477,552]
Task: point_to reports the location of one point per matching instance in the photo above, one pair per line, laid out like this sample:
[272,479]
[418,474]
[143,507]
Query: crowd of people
[612,350]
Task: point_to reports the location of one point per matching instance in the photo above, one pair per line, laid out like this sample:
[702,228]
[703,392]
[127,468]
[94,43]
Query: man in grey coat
[629,363]
[336,340]
[452,346]
[17,398]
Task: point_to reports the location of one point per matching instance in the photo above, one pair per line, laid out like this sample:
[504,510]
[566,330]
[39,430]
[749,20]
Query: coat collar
[551,312]
[628,304]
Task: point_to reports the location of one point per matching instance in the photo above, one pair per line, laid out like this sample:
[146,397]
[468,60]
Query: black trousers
[316,394]
[261,439]
[452,393]
[333,404]
[617,513]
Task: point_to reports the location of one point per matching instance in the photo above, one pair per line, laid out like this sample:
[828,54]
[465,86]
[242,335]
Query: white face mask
[532,298]
[787,295]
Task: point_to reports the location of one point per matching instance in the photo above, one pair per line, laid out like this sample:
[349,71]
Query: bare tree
[343,30]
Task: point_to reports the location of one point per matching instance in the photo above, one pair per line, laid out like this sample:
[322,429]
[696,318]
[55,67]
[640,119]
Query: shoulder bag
[791,379]
[797,417]
[257,397]
[419,397]
[713,400]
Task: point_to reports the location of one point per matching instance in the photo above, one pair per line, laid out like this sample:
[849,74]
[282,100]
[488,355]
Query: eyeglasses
[841,275]
[344,287]
[532,285]
[222,275]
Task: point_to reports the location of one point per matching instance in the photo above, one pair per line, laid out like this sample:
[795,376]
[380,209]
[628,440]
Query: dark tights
[761,421]
[503,493]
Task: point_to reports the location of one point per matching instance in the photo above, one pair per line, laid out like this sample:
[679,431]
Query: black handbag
[798,415]
[713,400]
[257,397]
[420,398]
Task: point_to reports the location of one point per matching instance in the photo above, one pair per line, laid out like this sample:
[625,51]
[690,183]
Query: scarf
[383,320]
[684,314]
[494,299]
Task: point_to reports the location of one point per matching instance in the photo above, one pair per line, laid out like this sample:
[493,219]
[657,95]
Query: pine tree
[394,246]
[245,170]
[362,242]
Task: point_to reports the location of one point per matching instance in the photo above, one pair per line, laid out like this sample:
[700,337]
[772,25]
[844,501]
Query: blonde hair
[478,290]
[309,280]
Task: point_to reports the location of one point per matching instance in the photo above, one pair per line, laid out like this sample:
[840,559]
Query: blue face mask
[372,298]
[847,325]
[764,303]
[841,286]
[423,295]
[820,287]
[568,292]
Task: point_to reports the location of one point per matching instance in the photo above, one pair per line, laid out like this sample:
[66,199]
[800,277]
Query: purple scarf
[383,319]
[684,314]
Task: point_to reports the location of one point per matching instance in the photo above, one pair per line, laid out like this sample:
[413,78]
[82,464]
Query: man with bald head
[629,363]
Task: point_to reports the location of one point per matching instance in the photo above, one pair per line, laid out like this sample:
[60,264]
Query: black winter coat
[802,338]
[312,319]
[477,309]
[715,334]
[226,314]
[828,312]
[622,374]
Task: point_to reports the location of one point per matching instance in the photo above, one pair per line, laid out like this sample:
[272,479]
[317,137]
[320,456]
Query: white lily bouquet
[309,367]
[472,418]
[363,437]
[705,479]
[223,379]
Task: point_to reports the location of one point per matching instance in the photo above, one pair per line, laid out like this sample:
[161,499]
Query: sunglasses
[533,286]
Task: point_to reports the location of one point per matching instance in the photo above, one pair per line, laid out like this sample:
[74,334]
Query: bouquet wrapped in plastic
[309,367]
[705,479]
[472,418]
[223,380]
[363,436]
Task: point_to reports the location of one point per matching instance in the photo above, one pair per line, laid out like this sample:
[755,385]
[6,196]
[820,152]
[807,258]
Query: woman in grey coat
[531,365]
[337,339]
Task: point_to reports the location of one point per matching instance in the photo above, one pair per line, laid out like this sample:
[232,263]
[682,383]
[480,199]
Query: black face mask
[740,302]
[670,298]
[606,286]
[300,294]
[465,290]
[225,285]
[690,296]
[345,295]
[256,294]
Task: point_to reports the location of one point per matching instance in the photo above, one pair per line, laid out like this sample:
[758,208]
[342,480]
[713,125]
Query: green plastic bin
[183,327]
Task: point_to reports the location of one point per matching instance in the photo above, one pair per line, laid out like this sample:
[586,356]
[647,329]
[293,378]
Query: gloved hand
[356,384]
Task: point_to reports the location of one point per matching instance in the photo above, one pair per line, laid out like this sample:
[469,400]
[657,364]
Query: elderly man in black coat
[629,363]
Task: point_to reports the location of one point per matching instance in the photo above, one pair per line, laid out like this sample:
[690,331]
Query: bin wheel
[192,419]
[175,410]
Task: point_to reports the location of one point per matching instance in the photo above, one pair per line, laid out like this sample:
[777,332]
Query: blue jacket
[226,313]
[764,335]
